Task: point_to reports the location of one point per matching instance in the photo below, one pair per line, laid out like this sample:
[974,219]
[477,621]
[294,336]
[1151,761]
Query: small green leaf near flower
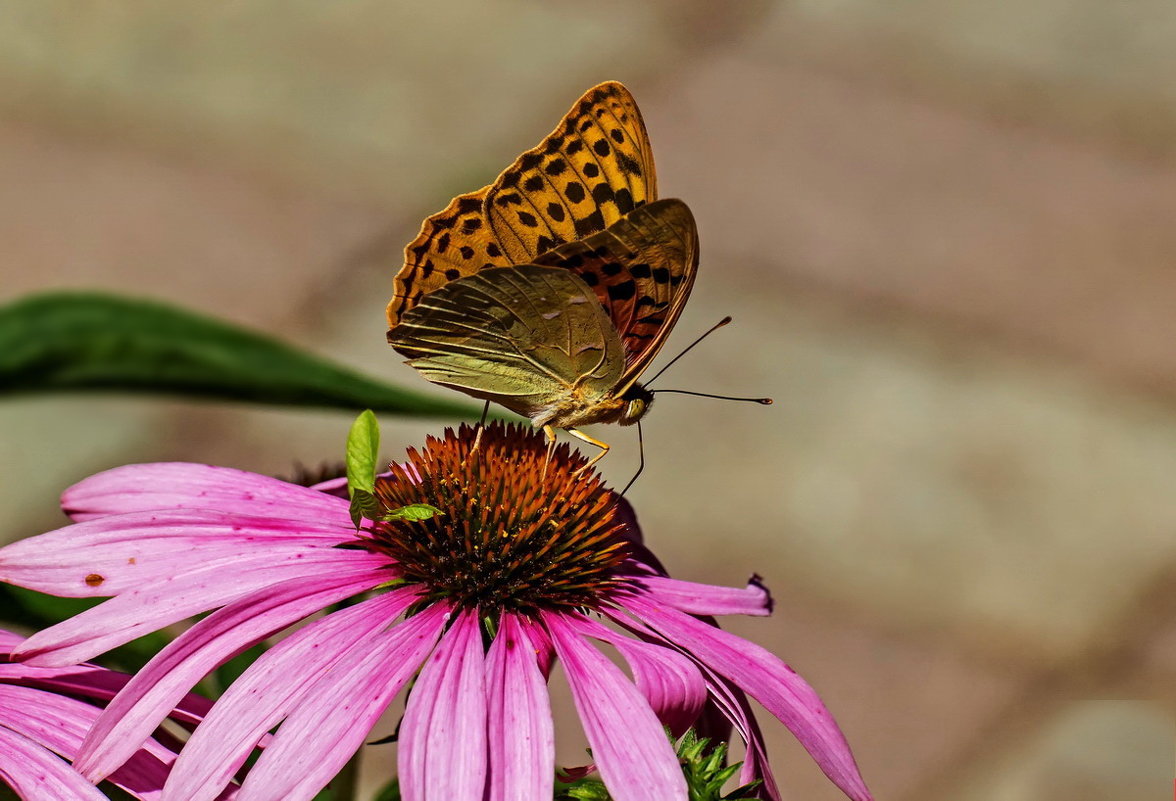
[363,445]
[414,512]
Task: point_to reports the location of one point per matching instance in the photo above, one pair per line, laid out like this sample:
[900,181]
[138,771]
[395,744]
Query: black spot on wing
[629,164]
[574,191]
[589,225]
[622,291]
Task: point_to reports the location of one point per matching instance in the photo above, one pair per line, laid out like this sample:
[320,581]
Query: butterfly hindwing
[642,269]
[521,336]
[595,167]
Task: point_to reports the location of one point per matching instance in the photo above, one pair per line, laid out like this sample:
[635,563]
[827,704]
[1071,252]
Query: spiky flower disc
[520,530]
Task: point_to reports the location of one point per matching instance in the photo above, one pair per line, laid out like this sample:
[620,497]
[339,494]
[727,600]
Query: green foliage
[363,446]
[414,511]
[705,768]
[75,341]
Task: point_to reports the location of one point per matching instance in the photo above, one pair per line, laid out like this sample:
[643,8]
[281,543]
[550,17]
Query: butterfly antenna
[764,401]
[641,464]
[708,332]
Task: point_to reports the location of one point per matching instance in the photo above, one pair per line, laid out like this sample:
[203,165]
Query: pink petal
[110,555]
[182,485]
[322,733]
[443,733]
[707,599]
[755,767]
[149,608]
[632,751]
[158,687]
[37,774]
[670,682]
[269,689]
[60,724]
[521,732]
[767,679]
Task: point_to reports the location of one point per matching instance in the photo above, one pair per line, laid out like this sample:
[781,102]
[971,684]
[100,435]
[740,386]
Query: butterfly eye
[634,411]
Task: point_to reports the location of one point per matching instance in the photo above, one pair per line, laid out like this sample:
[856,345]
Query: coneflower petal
[521,733]
[183,485]
[136,612]
[268,689]
[768,680]
[318,738]
[35,772]
[443,734]
[156,689]
[636,759]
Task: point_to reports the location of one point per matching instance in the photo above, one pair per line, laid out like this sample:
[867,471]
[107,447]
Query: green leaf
[414,511]
[389,792]
[363,504]
[75,341]
[363,447]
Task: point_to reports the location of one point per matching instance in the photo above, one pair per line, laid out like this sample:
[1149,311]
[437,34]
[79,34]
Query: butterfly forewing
[453,242]
[642,269]
[594,168]
[522,336]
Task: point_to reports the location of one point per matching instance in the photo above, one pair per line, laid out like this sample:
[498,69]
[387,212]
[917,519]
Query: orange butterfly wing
[595,167]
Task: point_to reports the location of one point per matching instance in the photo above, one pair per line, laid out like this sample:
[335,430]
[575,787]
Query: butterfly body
[551,290]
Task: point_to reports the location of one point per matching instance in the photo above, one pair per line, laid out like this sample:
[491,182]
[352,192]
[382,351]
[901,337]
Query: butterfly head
[637,400]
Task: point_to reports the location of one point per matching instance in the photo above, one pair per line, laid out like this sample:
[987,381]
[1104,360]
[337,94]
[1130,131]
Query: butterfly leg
[549,433]
[604,447]
[481,428]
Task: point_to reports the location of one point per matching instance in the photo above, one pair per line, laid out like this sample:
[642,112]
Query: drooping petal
[183,485]
[91,681]
[269,689]
[161,683]
[521,732]
[36,773]
[632,751]
[670,682]
[708,599]
[767,679]
[149,608]
[738,710]
[328,727]
[60,723]
[443,734]
[110,555]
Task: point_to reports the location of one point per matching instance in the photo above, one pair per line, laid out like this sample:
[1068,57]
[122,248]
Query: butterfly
[551,290]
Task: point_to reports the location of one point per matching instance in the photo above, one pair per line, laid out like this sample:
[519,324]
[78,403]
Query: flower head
[44,716]
[527,562]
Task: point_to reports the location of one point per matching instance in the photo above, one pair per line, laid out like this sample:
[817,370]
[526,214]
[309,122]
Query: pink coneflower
[43,719]
[526,564]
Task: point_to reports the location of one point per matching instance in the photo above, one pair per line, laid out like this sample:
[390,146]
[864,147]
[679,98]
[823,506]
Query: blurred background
[944,229]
